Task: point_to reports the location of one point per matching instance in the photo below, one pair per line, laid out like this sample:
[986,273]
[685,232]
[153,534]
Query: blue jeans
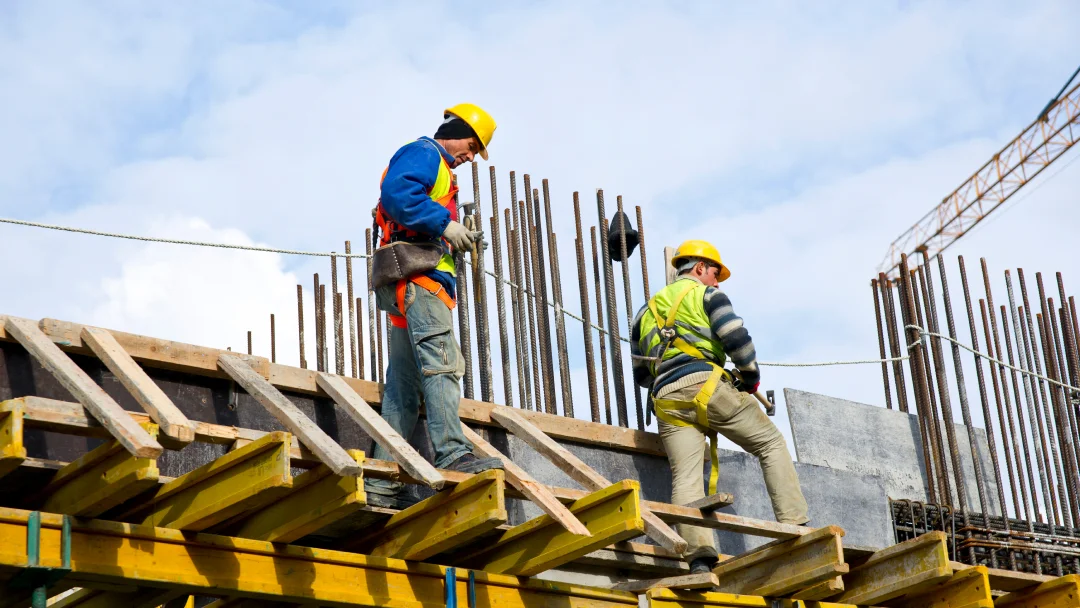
[424,360]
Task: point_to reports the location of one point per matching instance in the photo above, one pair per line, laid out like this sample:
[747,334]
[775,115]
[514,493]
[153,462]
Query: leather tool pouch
[400,260]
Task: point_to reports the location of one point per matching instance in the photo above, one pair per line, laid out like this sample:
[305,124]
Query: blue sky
[801,139]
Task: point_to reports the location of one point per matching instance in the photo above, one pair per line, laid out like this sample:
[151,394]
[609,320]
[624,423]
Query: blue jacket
[409,177]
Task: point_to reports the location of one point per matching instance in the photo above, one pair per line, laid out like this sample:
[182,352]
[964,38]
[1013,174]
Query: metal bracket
[34,576]
[451,588]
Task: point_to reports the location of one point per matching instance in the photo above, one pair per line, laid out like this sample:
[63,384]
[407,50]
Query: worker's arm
[736,341]
[404,197]
[642,376]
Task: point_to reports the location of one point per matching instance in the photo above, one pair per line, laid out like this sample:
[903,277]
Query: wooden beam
[783,567]
[580,472]
[167,354]
[12,449]
[75,380]
[1061,592]
[820,591]
[712,502]
[678,598]
[240,481]
[145,391]
[636,557]
[101,479]
[969,588]
[705,580]
[206,564]
[317,499]
[440,523]
[316,439]
[903,569]
[380,430]
[611,514]
[535,491]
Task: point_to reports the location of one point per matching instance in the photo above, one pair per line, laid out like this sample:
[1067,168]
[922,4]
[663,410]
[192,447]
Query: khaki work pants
[738,417]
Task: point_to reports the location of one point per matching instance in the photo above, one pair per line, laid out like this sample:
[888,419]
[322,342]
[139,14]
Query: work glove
[749,382]
[460,237]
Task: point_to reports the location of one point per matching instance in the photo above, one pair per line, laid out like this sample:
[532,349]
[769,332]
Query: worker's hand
[750,382]
[460,237]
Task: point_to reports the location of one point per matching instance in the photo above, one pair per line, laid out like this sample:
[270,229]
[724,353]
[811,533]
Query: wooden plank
[820,591]
[146,392]
[167,354]
[903,569]
[518,477]
[784,567]
[611,514]
[1061,592]
[712,501]
[1008,580]
[969,588]
[580,472]
[206,564]
[705,580]
[380,430]
[75,380]
[318,498]
[99,480]
[309,433]
[12,449]
[440,523]
[240,481]
[628,561]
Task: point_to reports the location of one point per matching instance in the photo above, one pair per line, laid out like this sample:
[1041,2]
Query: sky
[799,138]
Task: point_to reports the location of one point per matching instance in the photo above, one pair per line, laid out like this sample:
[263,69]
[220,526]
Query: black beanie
[454,128]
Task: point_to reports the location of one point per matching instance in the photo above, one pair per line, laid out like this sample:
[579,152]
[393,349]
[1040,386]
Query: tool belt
[664,407]
[403,260]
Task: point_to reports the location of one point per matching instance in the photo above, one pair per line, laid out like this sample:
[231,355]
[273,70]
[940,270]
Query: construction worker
[418,205]
[679,343]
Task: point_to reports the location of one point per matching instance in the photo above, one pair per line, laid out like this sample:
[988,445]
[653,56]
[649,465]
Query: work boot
[703,565]
[469,463]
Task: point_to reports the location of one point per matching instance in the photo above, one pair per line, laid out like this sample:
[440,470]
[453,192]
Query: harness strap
[667,326]
[427,283]
[701,404]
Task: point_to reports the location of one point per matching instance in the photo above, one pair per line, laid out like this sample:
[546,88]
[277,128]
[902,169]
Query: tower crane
[1043,141]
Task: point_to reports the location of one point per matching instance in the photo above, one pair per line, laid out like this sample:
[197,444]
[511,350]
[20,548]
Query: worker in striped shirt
[679,343]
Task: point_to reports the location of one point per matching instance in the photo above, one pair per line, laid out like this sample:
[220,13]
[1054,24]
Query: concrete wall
[849,436]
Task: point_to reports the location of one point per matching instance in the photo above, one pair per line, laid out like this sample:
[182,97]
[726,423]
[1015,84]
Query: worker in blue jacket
[418,204]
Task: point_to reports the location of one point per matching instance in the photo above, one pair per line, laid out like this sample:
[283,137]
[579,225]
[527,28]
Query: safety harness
[392,231]
[669,338]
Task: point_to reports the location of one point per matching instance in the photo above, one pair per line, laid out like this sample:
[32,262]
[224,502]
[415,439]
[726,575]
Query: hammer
[767,400]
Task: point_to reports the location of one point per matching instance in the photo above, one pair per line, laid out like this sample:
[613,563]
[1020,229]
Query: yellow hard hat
[480,121]
[703,250]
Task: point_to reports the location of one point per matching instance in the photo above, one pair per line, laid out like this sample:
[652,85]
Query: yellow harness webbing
[701,400]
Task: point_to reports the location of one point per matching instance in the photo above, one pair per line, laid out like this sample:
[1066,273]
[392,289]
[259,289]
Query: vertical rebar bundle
[612,312]
[300,324]
[352,310]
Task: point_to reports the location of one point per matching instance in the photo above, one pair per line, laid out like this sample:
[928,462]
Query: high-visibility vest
[443,191]
[677,324]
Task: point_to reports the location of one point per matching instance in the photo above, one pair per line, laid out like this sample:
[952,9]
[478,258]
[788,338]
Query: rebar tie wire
[923,333]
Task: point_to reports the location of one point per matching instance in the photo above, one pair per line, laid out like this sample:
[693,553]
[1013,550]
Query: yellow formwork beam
[442,522]
[969,588]
[101,479]
[111,553]
[783,567]
[140,598]
[611,515]
[904,569]
[671,598]
[12,450]
[318,498]
[240,481]
[1062,592]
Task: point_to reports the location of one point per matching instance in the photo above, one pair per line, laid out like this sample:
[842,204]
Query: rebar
[300,324]
[560,318]
[608,405]
[273,340]
[352,309]
[325,342]
[881,344]
[379,344]
[894,341]
[1066,488]
[521,351]
[645,288]
[1030,355]
[500,302]
[319,363]
[586,313]
[526,262]
[628,301]
[464,333]
[937,433]
[907,318]
[1068,430]
[249,341]
[372,335]
[483,330]
[1071,397]
[1052,405]
[532,201]
[360,338]
[1034,514]
[612,306]
[521,270]
[339,337]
